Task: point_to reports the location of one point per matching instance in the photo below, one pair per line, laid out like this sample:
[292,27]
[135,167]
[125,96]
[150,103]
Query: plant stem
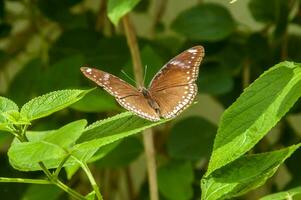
[151,163]
[54,180]
[148,134]
[58,170]
[246,74]
[24,180]
[91,179]
[134,49]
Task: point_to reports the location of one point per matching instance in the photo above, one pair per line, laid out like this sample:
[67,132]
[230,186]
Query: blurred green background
[43,43]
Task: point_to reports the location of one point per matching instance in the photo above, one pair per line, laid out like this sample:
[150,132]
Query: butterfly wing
[125,94]
[173,87]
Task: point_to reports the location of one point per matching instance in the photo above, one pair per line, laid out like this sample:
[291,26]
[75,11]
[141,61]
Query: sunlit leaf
[49,147]
[288,194]
[255,112]
[47,104]
[117,9]
[244,174]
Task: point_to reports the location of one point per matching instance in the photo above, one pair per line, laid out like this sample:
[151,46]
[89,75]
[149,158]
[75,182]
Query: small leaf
[244,174]
[255,112]
[175,181]
[264,11]
[206,22]
[91,196]
[7,105]
[47,104]
[191,138]
[25,156]
[285,195]
[117,9]
[7,110]
[49,147]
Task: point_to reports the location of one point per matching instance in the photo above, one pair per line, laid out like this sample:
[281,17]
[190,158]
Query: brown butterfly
[171,90]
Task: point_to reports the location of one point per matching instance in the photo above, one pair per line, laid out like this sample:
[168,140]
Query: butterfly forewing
[173,87]
[126,95]
[112,84]
[181,70]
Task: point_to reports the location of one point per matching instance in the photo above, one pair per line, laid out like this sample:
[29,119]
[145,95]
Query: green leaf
[7,110]
[38,192]
[47,104]
[255,112]
[125,152]
[67,135]
[7,105]
[49,147]
[91,196]
[60,11]
[25,156]
[244,174]
[263,11]
[175,181]
[214,80]
[289,194]
[96,101]
[107,131]
[118,8]
[206,22]
[71,170]
[191,138]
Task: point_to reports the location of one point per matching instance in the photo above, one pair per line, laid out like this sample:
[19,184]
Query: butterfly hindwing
[140,106]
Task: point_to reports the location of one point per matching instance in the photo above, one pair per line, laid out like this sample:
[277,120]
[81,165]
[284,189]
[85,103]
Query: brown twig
[148,134]
[160,7]
[134,49]
[130,185]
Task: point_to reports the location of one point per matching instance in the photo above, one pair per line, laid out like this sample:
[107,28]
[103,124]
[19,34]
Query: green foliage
[49,103]
[50,147]
[117,9]
[293,193]
[194,144]
[122,155]
[175,180]
[206,22]
[255,112]
[45,42]
[243,174]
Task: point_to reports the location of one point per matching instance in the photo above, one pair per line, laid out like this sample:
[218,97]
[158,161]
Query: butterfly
[170,91]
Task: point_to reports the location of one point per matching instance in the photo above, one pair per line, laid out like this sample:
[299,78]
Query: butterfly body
[171,90]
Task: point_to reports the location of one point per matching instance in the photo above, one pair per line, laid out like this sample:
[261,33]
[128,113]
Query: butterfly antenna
[128,76]
[145,70]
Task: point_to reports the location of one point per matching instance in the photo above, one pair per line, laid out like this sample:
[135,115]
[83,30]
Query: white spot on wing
[192,50]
